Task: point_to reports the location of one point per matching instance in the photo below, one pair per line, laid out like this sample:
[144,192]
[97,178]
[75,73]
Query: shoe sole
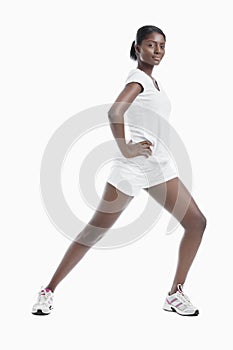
[40,313]
[196,313]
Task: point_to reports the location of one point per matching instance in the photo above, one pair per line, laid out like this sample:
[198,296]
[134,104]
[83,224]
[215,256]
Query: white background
[57,59]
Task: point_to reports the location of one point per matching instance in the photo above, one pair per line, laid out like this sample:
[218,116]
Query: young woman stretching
[125,180]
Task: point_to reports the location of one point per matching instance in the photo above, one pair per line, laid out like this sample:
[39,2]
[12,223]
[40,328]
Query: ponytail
[133,52]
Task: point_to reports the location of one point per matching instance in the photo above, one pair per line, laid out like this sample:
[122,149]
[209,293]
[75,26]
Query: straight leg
[109,209]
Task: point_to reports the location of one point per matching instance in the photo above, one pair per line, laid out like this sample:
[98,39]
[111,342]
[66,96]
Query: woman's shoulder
[135,72]
[137,75]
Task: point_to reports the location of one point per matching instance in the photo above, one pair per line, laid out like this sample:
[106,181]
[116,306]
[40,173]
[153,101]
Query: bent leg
[111,206]
[176,199]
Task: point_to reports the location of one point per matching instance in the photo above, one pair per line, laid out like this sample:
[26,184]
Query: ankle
[175,288]
[49,288]
[172,291]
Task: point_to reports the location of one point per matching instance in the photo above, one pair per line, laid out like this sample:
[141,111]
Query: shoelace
[184,298]
[187,298]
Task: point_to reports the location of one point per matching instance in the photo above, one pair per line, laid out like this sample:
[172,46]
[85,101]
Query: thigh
[111,205]
[175,198]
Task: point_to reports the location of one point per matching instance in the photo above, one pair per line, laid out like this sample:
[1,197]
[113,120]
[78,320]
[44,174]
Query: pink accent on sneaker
[180,288]
[178,304]
[47,290]
[172,301]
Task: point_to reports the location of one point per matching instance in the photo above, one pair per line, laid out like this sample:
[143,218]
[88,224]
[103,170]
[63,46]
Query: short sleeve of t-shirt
[135,76]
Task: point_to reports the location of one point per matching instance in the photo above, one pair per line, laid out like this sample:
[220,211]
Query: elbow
[115,112]
[115,116]
[110,114]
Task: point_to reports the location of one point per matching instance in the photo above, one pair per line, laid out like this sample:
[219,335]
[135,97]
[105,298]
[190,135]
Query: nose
[157,49]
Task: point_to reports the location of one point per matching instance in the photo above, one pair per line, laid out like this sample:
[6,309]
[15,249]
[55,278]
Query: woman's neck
[148,69]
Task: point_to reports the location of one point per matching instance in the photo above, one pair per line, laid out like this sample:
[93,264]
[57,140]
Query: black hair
[142,34]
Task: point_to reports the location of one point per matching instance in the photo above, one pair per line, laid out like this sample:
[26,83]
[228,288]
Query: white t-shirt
[145,118]
[150,97]
[142,116]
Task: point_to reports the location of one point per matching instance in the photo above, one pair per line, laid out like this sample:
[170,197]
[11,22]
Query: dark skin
[172,194]
[149,53]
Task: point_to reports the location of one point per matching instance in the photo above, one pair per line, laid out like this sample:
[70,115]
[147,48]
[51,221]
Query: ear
[137,49]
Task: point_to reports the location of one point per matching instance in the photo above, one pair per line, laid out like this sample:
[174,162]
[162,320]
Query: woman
[139,167]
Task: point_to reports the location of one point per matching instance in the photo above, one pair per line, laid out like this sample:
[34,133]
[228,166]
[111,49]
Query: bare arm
[116,117]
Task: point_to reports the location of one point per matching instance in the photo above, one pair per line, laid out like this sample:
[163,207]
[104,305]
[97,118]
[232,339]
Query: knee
[90,235]
[202,222]
[197,222]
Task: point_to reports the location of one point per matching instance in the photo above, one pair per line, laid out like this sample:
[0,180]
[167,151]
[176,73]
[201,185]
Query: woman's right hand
[141,148]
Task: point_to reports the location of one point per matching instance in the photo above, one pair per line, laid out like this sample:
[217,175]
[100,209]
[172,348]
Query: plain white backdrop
[59,58]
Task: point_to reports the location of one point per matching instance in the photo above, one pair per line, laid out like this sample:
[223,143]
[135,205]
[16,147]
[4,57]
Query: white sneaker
[179,302]
[44,303]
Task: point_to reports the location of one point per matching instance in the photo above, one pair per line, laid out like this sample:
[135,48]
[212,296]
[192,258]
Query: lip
[157,58]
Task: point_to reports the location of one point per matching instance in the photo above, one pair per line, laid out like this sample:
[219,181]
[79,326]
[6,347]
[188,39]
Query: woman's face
[152,49]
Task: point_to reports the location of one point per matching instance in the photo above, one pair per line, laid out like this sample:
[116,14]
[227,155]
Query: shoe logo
[172,302]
